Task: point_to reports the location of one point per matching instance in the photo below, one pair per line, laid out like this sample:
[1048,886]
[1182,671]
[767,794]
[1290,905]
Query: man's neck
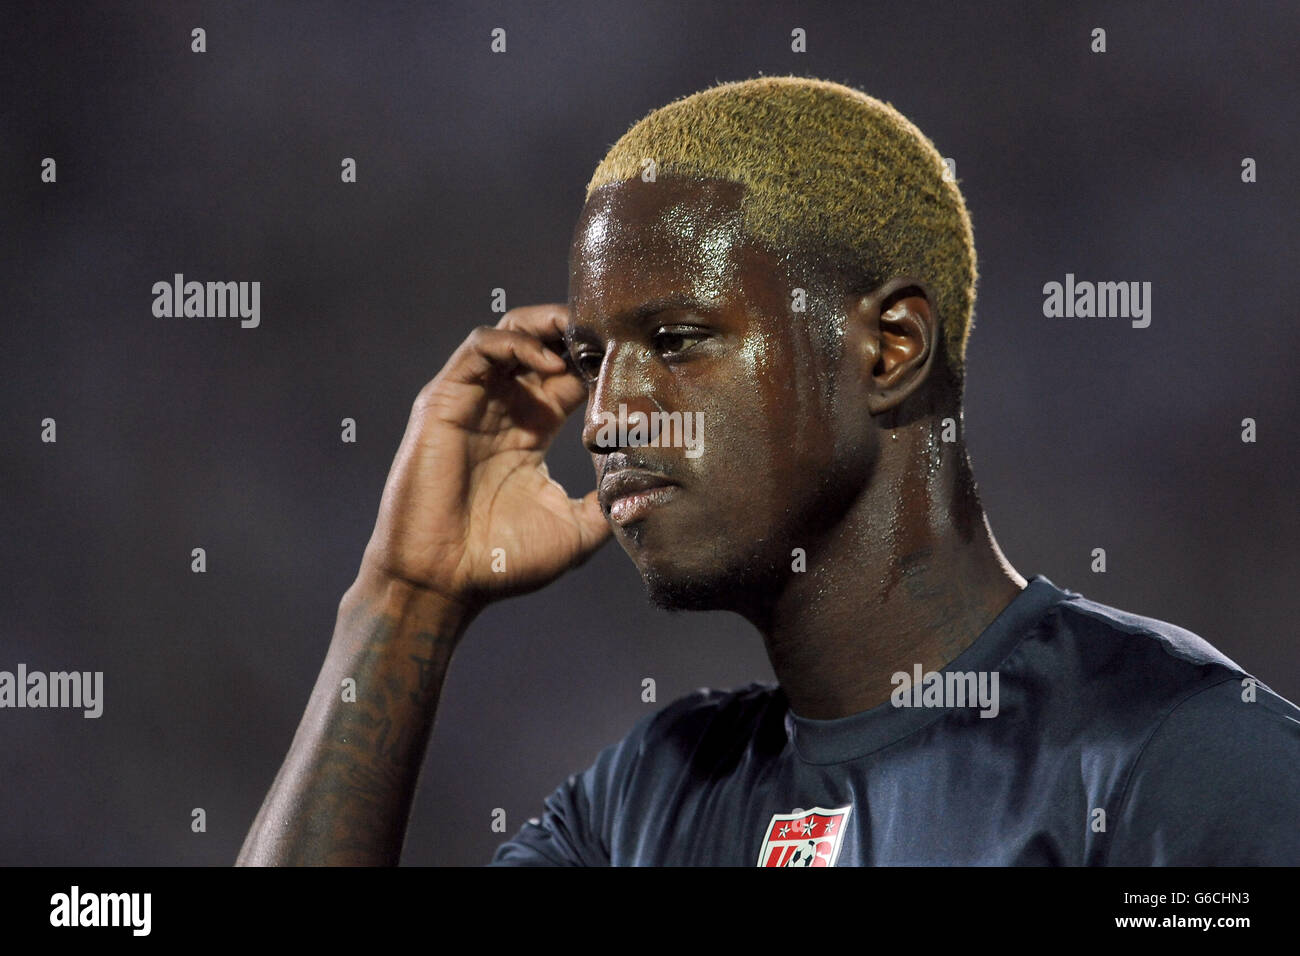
[912,576]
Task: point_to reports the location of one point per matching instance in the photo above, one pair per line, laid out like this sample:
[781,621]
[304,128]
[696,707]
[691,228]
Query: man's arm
[468,486]
[344,793]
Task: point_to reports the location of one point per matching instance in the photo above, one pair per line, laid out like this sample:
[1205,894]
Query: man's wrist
[405,601]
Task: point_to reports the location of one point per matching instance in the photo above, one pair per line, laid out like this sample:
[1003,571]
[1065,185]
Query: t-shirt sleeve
[1218,784]
[579,818]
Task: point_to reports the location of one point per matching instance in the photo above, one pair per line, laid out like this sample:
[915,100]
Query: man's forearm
[344,792]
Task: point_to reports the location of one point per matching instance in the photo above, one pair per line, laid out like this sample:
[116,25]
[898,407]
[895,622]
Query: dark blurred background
[183,433]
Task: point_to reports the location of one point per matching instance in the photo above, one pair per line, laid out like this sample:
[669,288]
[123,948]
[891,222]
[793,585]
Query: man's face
[674,310]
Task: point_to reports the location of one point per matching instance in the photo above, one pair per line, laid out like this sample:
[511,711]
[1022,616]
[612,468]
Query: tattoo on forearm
[363,774]
[439,655]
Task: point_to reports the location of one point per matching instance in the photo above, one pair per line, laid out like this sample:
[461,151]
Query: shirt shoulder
[712,724]
[1216,784]
[582,821]
[1114,674]
[1209,756]
[1179,644]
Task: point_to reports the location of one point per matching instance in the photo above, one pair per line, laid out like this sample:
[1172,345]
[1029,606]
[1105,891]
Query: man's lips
[628,494]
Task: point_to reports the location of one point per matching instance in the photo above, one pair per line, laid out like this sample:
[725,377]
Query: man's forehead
[639,239]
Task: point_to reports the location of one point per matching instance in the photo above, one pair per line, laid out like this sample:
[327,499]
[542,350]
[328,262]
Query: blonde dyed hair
[829,172]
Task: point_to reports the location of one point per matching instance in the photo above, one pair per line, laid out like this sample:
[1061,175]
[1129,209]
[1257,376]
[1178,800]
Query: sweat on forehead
[690,226]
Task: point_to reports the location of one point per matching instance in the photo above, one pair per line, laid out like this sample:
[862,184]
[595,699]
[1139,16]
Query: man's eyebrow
[638,314]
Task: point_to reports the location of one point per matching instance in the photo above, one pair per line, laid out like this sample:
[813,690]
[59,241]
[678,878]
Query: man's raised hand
[470,475]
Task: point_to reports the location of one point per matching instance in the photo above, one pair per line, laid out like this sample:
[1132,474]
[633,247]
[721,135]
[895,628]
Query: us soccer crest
[804,838]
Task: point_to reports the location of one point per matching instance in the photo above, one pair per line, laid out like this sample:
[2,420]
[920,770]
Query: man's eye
[587,363]
[677,340]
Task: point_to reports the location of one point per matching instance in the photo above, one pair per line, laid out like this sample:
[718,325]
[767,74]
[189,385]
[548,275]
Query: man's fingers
[547,322]
[568,391]
[593,527]
[505,350]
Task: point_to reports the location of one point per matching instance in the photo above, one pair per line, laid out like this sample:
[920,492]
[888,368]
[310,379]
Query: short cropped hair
[831,175]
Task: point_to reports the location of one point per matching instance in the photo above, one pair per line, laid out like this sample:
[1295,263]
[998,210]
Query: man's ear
[898,329]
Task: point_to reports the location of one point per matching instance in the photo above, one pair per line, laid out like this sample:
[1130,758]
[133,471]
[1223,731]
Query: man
[784,262]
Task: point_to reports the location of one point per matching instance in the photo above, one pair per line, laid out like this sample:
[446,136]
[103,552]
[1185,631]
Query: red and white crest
[804,837]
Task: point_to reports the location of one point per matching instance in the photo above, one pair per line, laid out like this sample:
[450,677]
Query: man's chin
[687,594]
[734,589]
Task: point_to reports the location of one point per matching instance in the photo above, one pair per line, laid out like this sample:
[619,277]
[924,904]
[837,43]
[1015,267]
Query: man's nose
[620,409]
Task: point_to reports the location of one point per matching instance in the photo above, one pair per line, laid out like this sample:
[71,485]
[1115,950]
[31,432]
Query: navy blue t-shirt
[1116,740]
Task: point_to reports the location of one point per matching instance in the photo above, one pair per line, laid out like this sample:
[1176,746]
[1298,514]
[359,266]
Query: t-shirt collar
[844,738]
